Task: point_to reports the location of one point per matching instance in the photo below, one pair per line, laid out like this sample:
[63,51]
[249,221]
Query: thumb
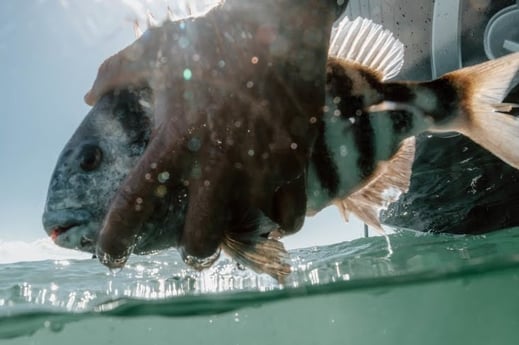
[132,66]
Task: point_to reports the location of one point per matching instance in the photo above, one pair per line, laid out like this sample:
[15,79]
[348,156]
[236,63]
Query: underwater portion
[362,292]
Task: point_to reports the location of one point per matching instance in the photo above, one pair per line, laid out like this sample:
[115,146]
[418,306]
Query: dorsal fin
[368,44]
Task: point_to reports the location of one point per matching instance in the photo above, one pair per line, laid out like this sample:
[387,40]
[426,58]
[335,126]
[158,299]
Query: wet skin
[251,119]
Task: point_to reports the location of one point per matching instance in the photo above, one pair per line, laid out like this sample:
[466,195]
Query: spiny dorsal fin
[263,255]
[368,44]
[386,184]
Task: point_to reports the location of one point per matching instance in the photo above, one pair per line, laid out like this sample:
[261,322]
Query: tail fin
[488,84]
[475,109]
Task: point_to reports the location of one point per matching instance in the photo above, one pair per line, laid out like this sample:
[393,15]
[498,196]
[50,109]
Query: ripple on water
[161,283]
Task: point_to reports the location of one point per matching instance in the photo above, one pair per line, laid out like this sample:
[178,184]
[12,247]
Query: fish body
[361,160]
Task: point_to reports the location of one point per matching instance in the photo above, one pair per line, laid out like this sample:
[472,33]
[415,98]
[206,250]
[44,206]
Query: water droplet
[336,100]
[163,177]
[250,153]
[221,64]
[196,57]
[254,60]
[196,171]
[293,146]
[183,42]
[147,177]
[313,119]
[153,165]
[337,113]
[207,183]
[161,191]
[250,84]
[194,144]
[187,74]
[139,200]
[343,151]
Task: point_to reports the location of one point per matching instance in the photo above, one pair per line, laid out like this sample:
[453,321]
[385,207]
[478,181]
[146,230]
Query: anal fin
[389,180]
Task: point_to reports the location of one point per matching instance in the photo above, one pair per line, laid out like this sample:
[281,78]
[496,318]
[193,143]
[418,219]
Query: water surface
[426,289]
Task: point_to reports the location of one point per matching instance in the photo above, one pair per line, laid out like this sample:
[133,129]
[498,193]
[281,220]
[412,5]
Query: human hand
[236,96]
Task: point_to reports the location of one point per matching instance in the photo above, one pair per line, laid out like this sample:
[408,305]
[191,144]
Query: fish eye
[90,157]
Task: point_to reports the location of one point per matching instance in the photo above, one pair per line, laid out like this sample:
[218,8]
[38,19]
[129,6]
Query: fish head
[91,167]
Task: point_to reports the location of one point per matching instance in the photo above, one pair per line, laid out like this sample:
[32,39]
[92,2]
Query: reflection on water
[161,284]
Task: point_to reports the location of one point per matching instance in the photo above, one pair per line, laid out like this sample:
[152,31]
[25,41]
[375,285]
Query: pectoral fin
[263,255]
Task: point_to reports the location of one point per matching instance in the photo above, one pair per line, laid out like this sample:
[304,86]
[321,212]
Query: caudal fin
[486,85]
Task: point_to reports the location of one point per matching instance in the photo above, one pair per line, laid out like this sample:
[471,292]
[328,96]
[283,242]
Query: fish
[361,160]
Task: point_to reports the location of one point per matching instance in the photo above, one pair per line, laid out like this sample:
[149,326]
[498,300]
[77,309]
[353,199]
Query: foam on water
[337,287]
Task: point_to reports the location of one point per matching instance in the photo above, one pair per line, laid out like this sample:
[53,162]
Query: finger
[135,200]
[290,205]
[207,217]
[132,66]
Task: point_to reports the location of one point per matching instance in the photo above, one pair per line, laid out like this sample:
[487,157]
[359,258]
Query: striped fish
[361,160]
[363,157]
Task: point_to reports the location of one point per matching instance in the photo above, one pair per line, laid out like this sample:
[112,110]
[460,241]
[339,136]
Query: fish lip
[59,230]
[58,222]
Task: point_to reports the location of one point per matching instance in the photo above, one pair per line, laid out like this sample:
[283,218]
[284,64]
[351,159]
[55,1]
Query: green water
[433,289]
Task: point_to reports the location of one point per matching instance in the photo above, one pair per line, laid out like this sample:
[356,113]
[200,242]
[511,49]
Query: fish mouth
[70,228]
[57,231]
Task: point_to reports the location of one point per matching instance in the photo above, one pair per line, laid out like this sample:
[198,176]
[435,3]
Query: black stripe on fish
[442,105]
[325,167]
[352,107]
[448,99]
[364,135]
